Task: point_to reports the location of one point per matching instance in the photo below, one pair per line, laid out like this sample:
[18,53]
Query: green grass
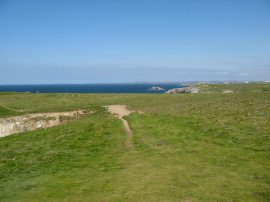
[192,147]
[237,88]
[6,112]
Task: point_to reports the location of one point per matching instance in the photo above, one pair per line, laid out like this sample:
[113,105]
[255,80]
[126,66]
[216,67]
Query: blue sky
[97,41]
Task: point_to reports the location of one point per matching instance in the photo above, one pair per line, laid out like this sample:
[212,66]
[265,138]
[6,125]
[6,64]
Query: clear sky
[93,41]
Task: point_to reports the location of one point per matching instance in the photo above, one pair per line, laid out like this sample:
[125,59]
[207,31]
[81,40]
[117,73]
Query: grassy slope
[6,112]
[201,147]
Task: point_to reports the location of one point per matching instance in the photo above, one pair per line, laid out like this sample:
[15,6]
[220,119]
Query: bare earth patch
[23,123]
[120,111]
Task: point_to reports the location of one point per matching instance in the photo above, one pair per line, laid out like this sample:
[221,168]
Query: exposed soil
[120,111]
[18,124]
[227,91]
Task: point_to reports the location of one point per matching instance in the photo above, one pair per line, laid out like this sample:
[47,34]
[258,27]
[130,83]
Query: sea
[90,88]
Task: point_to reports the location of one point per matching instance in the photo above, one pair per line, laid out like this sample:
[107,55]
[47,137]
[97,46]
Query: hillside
[210,146]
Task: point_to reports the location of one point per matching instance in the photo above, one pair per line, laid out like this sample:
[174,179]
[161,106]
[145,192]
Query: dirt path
[120,111]
[28,122]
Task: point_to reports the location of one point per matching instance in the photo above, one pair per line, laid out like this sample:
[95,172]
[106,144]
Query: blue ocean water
[88,88]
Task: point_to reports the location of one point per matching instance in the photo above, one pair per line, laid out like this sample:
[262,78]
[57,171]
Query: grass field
[211,146]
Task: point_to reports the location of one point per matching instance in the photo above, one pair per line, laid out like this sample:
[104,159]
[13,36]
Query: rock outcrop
[156,88]
[183,90]
[23,123]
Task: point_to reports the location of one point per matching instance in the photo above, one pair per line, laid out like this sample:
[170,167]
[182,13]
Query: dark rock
[156,88]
